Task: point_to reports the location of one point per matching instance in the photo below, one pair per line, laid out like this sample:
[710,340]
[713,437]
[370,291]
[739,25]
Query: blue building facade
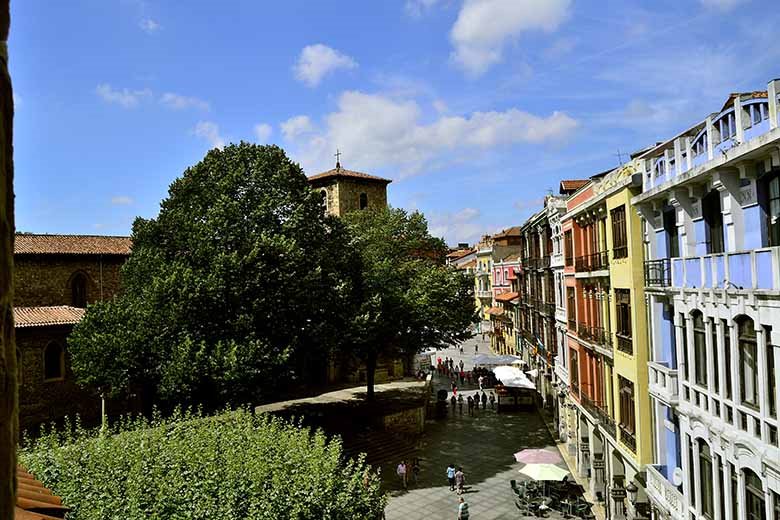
[711,207]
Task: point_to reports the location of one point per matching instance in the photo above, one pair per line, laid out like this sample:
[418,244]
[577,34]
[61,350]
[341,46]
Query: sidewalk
[596,507]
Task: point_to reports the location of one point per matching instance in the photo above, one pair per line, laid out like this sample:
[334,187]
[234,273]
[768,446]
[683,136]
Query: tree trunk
[370,374]
[9,421]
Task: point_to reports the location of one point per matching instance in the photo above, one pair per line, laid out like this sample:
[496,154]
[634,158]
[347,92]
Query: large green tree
[235,287]
[406,299]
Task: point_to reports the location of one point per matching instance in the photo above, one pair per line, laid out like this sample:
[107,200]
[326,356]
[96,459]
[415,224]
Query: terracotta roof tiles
[572,185]
[33,244]
[34,501]
[341,172]
[507,296]
[47,316]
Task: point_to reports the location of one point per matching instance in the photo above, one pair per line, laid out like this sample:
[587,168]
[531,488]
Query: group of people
[457,481]
[473,402]
[405,471]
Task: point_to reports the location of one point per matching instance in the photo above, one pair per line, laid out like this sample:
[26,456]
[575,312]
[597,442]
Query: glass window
[769,200]
[78,287]
[754,496]
[715,350]
[684,347]
[727,357]
[619,238]
[568,246]
[713,218]
[627,414]
[748,362]
[771,384]
[705,478]
[363,201]
[53,362]
[672,237]
[699,349]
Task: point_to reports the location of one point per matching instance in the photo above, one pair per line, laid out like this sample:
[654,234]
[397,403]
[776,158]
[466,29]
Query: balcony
[484,294]
[662,492]
[598,261]
[624,344]
[581,264]
[548,309]
[753,269]
[628,438]
[572,325]
[658,273]
[543,263]
[597,411]
[662,382]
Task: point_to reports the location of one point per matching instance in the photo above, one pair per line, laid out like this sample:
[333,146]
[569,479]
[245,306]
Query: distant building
[346,190]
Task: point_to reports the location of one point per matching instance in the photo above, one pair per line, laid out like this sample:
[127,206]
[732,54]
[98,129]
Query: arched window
[705,479]
[53,362]
[324,195]
[699,349]
[748,362]
[363,201]
[754,496]
[78,288]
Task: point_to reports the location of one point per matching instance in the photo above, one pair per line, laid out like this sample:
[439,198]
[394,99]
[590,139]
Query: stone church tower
[347,190]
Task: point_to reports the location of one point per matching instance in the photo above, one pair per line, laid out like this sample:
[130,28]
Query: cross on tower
[338,156]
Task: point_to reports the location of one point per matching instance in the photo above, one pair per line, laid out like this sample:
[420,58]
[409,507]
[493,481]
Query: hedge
[229,466]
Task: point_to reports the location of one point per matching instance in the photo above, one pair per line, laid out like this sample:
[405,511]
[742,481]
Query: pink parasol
[537,456]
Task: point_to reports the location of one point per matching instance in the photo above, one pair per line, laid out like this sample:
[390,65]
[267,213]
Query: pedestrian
[471,406]
[484,400]
[476,347]
[492,400]
[460,404]
[454,389]
[453,400]
[463,509]
[481,380]
[415,469]
[452,386]
[461,365]
[461,349]
[451,476]
[462,376]
[401,472]
[460,480]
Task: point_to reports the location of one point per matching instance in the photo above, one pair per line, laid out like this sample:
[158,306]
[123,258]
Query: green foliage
[238,283]
[407,300]
[233,465]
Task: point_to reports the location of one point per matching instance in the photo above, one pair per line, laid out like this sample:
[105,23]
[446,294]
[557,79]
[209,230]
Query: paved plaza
[483,445]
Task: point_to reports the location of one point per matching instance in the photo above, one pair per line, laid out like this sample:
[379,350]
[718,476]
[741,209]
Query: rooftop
[339,172]
[34,501]
[47,316]
[33,244]
[570,186]
[514,231]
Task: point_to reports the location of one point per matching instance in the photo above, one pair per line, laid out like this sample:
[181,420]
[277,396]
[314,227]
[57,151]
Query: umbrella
[544,472]
[536,456]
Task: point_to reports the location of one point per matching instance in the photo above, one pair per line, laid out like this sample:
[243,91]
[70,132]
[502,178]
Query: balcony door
[713,219]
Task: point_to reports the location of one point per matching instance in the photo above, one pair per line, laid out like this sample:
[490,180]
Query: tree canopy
[407,300]
[240,279]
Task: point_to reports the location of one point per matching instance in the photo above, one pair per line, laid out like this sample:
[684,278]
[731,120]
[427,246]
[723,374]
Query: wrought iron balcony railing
[658,273]
[624,344]
[628,438]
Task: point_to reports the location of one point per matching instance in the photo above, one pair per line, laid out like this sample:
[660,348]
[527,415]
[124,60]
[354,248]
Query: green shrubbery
[230,466]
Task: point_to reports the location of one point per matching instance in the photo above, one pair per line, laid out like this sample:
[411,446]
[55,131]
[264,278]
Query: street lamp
[632,490]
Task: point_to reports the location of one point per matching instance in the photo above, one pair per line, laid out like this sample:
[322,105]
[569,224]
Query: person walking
[415,470]
[460,480]
[461,365]
[460,404]
[463,509]
[453,400]
[484,400]
[401,472]
[451,476]
[481,380]
[492,400]
[471,406]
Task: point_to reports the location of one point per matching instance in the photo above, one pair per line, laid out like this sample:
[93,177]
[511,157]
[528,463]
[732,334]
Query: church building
[346,190]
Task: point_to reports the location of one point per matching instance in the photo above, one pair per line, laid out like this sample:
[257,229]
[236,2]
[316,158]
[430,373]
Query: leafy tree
[232,465]
[237,284]
[406,299]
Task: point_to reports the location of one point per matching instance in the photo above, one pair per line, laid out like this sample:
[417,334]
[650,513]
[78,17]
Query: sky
[474,108]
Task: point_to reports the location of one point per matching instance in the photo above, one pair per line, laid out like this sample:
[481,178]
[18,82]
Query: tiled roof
[495,311]
[507,296]
[32,244]
[469,264]
[34,501]
[459,253]
[341,172]
[46,316]
[511,258]
[572,185]
[514,231]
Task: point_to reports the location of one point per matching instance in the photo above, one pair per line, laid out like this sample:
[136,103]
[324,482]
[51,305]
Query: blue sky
[475,108]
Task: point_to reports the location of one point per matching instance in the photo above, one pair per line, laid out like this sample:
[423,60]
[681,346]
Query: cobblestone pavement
[483,445]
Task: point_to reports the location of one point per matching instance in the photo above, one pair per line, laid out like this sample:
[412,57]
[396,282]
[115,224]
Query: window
[727,357]
[568,247]
[623,317]
[771,387]
[627,414]
[571,307]
[713,219]
[324,195]
[748,362]
[78,288]
[769,200]
[619,239]
[574,374]
[699,349]
[53,362]
[715,349]
[754,496]
[671,230]
[705,478]
[363,201]
[700,145]
[684,347]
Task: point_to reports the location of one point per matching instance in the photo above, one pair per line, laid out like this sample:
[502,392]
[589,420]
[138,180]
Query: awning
[488,360]
[495,311]
[507,296]
[513,377]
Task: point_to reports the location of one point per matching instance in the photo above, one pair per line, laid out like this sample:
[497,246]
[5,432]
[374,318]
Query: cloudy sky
[475,108]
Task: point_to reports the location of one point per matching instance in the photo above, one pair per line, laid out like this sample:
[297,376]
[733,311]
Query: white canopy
[486,360]
[513,377]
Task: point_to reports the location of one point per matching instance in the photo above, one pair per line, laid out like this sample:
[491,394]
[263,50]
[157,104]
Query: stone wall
[349,192]
[405,422]
[42,280]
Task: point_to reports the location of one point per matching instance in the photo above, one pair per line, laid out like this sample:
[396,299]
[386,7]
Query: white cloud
[484,27]
[416,8]
[377,131]
[263,132]
[317,61]
[296,127]
[721,5]
[440,106]
[209,131]
[121,200]
[148,25]
[179,102]
[125,97]
[458,226]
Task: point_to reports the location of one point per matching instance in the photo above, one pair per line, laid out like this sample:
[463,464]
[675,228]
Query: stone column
[711,352]
[716,484]
[691,354]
